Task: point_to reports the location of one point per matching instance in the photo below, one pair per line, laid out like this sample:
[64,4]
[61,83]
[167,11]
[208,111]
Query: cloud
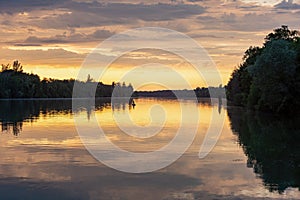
[200,35]
[287,5]
[249,22]
[193,1]
[92,14]
[42,57]
[147,12]
[27,45]
[19,6]
[64,38]
[120,13]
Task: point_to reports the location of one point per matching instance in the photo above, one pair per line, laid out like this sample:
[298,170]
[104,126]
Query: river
[43,157]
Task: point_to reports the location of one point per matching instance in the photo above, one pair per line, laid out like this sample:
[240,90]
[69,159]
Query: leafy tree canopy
[269,77]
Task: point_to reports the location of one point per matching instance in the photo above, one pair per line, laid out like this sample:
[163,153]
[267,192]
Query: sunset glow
[52,39]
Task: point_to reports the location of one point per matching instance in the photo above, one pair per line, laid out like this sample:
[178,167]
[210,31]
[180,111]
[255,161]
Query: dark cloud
[89,14]
[27,45]
[100,34]
[195,1]
[86,15]
[287,5]
[19,6]
[73,37]
[245,23]
[248,7]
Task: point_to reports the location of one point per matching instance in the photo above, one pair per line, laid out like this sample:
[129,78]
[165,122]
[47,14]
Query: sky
[53,38]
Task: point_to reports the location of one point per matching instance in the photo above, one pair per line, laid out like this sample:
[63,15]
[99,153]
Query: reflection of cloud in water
[74,178]
[48,160]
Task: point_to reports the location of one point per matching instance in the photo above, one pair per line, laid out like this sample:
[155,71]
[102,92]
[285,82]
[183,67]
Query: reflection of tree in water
[121,103]
[13,113]
[15,127]
[272,147]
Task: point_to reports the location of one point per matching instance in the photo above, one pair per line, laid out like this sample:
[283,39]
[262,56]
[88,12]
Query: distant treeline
[14,83]
[269,77]
[164,93]
[217,92]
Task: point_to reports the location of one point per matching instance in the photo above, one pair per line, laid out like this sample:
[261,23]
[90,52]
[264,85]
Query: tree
[269,77]
[14,83]
[17,67]
[5,67]
[283,33]
[89,79]
[238,87]
[273,73]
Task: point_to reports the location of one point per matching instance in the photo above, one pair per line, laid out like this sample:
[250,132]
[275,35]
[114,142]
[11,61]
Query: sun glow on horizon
[54,40]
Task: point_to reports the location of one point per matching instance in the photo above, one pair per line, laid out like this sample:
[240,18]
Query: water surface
[42,156]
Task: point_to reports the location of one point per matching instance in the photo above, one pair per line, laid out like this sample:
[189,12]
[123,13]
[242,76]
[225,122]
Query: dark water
[41,155]
[271,145]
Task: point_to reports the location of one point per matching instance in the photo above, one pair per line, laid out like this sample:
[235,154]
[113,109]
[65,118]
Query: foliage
[283,33]
[14,83]
[269,77]
[273,73]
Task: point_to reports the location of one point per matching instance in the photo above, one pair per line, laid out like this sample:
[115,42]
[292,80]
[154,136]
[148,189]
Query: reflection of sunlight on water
[49,150]
[144,122]
[160,131]
[72,142]
[263,2]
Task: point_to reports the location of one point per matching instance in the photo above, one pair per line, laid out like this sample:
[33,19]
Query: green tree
[282,33]
[238,87]
[14,83]
[269,77]
[273,74]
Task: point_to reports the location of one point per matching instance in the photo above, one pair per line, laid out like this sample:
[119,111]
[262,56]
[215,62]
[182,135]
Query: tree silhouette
[269,77]
[283,33]
[17,67]
[14,83]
